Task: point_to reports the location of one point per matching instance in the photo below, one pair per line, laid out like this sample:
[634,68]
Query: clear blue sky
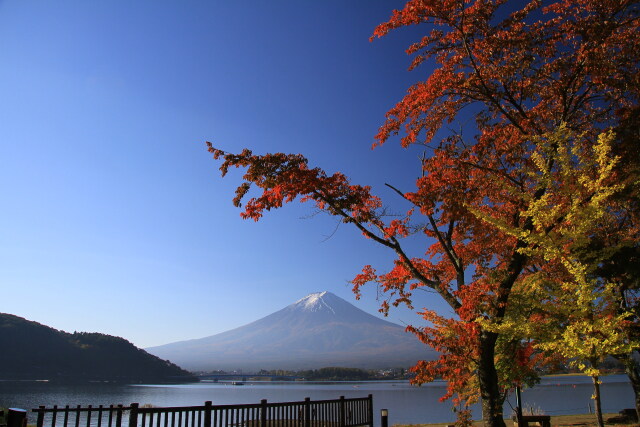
[114,217]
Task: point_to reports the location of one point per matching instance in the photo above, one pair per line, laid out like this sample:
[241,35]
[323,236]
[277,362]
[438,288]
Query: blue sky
[114,216]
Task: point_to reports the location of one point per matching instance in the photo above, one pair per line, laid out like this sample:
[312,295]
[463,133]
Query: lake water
[406,404]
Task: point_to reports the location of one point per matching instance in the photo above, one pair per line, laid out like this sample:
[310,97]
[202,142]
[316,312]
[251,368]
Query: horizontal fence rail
[318,413]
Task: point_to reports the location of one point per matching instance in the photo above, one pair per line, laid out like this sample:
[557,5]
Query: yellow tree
[564,305]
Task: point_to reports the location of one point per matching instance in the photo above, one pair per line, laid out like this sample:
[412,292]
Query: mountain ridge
[318,330]
[31,350]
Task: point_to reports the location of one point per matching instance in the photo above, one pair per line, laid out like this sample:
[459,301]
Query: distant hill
[319,330]
[34,351]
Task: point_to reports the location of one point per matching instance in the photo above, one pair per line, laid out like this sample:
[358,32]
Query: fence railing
[318,413]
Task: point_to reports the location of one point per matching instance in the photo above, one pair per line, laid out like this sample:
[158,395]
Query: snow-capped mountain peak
[314,302]
[318,330]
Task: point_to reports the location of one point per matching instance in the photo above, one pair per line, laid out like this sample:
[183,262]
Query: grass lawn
[587,420]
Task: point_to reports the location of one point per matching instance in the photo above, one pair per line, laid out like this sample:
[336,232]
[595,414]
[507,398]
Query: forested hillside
[34,351]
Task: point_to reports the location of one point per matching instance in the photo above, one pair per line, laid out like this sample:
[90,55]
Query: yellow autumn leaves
[561,303]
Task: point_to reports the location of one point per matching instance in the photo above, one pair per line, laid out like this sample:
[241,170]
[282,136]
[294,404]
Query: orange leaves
[393,284]
[368,275]
[571,61]
[457,343]
[397,228]
[285,177]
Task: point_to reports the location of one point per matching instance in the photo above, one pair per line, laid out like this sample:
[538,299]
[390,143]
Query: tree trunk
[631,369]
[596,396]
[492,399]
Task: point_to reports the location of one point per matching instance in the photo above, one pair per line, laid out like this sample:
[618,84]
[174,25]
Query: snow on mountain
[318,330]
[314,302]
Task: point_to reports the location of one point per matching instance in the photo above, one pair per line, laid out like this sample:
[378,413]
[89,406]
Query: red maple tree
[524,69]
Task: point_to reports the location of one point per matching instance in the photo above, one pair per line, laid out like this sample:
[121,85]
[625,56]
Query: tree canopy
[524,72]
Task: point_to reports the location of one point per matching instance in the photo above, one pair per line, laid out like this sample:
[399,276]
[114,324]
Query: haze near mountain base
[318,330]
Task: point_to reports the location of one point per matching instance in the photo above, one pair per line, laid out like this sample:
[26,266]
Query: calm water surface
[406,404]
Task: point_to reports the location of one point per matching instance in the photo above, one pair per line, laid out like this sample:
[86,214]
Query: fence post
[133,415]
[88,416]
[207,413]
[17,417]
[307,412]
[342,412]
[263,413]
[119,416]
[54,416]
[40,417]
[370,409]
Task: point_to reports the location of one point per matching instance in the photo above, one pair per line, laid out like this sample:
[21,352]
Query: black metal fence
[318,413]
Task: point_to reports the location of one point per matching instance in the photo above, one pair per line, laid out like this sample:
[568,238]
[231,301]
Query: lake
[407,404]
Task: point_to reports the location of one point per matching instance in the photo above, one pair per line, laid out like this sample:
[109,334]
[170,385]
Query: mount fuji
[316,331]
